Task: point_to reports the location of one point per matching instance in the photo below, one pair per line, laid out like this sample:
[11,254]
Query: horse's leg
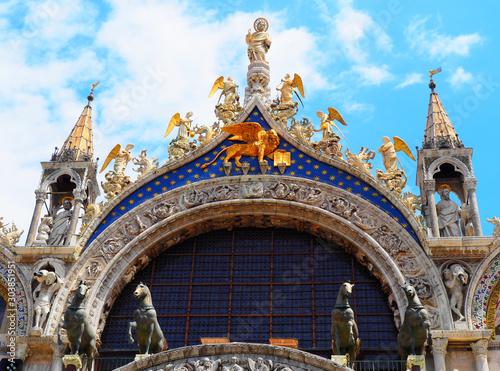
[412,338]
[149,336]
[337,340]
[352,341]
[131,325]
[59,338]
[79,335]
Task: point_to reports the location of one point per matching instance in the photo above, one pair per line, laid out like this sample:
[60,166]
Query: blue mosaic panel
[303,166]
[251,285]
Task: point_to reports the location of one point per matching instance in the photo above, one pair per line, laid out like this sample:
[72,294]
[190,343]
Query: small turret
[445,165]
[68,182]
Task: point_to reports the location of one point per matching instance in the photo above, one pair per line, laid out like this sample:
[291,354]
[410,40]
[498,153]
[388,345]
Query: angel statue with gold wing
[259,142]
[180,146]
[394,178]
[226,111]
[329,144]
[116,179]
[284,108]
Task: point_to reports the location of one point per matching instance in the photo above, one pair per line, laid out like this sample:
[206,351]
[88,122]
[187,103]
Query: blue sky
[368,59]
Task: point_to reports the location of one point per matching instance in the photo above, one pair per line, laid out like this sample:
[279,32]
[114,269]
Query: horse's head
[81,290]
[346,289]
[409,290]
[141,291]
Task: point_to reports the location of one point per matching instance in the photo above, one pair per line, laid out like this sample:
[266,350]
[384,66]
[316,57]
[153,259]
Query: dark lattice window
[251,285]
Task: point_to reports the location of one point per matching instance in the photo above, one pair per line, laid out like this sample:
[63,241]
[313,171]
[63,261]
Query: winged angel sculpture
[180,146]
[226,111]
[259,142]
[394,178]
[329,144]
[284,107]
[116,180]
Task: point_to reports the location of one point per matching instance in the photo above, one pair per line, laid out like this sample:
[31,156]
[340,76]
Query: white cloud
[356,31]
[372,75]
[410,79]
[436,45]
[459,78]
[148,70]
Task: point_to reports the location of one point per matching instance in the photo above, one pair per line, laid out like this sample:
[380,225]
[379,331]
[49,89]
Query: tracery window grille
[251,285]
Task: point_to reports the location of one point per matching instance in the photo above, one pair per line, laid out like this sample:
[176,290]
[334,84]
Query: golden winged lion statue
[259,142]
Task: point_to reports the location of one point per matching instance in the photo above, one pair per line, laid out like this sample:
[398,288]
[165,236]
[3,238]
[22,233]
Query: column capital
[470,183]
[439,345]
[430,185]
[79,194]
[23,351]
[480,348]
[40,195]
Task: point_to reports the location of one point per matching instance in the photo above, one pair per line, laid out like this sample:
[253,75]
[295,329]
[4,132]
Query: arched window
[250,285]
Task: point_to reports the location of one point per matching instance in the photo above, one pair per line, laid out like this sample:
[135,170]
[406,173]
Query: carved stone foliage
[9,234]
[234,363]
[140,223]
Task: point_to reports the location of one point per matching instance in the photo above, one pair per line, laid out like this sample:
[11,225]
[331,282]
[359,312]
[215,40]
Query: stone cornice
[283,355]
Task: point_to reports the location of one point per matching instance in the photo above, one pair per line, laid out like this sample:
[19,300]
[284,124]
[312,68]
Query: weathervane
[435,71]
[93,86]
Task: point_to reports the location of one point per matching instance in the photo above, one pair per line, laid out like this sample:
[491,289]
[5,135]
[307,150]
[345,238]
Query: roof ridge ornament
[258,74]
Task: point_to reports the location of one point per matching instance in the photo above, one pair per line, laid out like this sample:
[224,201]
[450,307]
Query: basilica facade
[245,239]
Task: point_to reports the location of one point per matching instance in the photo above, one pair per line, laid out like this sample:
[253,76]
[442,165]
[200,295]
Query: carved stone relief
[304,192]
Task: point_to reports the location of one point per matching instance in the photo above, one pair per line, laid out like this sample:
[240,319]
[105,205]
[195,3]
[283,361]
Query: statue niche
[60,225]
[455,279]
[448,213]
[48,284]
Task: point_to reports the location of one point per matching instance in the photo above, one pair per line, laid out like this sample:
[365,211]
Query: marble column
[79,196]
[41,196]
[470,186]
[439,346]
[430,189]
[480,350]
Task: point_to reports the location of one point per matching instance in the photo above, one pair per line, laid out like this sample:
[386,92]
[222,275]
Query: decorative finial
[432,84]
[91,96]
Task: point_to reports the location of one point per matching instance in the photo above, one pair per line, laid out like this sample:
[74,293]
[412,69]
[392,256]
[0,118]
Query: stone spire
[70,175]
[444,163]
[439,131]
[79,144]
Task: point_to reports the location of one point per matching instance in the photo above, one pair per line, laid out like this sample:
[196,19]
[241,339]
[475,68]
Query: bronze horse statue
[80,335]
[344,329]
[415,328]
[148,331]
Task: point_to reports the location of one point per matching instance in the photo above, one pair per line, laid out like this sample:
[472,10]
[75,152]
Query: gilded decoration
[284,108]
[259,142]
[300,191]
[230,108]
[116,180]
[302,165]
